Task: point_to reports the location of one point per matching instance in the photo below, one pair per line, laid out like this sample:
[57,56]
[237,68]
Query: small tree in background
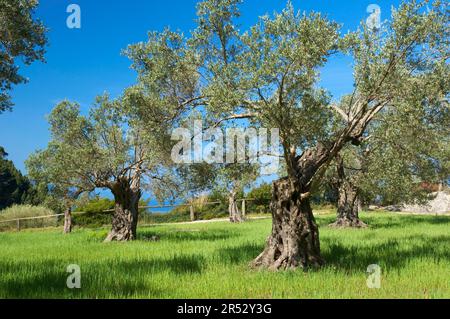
[407,146]
[59,195]
[233,179]
[346,185]
[228,180]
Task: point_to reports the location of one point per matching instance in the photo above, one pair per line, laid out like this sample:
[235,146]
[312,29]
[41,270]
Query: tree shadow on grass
[390,253]
[239,254]
[393,221]
[179,264]
[187,235]
[105,279]
[43,280]
[405,221]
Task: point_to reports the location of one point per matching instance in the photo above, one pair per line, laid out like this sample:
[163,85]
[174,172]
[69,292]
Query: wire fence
[195,209]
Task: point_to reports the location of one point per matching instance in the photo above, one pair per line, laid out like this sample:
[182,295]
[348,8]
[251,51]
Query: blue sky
[82,63]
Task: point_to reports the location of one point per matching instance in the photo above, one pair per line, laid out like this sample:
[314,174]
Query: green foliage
[95,213]
[21,37]
[408,145]
[235,178]
[260,198]
[280,69]
[24,211]
[162,218]
[269,75]
[202,211]
[96,205]
[14,187]
[98,151]
[219,209]
[403,69]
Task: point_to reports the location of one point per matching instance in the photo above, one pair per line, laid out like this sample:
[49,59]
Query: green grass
[211,261]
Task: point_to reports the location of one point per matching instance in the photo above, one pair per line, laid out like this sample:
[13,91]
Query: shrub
[260,199]
[92,219]
[159,218]
[95,213]
[24,211]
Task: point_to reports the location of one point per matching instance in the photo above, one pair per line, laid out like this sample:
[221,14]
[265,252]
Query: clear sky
[81,63]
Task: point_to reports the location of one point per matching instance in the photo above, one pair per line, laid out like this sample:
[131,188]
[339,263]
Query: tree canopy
[103,149]
[21,36]
[14,187]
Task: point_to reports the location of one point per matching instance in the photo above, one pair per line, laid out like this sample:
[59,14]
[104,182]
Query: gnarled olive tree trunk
[294,241]
[349,202]
[124,223]
[348,208]
[233,209]
[67,221]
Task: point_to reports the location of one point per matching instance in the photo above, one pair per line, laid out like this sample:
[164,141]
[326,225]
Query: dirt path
[215,220]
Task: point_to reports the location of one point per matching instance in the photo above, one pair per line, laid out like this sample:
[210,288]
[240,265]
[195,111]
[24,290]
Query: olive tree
[406,147]
[104,150]
[273,77]
[58,197]
[232,180]
[387,64]
[269,76]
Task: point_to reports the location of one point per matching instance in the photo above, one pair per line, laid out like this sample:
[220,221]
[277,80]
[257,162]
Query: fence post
[192,213]
[18,224]
[243,208]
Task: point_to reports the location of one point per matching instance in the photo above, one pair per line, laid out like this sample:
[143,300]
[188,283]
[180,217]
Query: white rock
[440,204]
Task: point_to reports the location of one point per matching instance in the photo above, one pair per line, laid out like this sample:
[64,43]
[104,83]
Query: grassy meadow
[210,260]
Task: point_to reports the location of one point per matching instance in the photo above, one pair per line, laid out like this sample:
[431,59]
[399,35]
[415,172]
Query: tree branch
[340,112]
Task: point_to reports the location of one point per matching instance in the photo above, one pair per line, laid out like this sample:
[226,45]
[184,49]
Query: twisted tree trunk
[348,208]
[348,200]
[124,223]
[233,209]
[67,221]
[294,241]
